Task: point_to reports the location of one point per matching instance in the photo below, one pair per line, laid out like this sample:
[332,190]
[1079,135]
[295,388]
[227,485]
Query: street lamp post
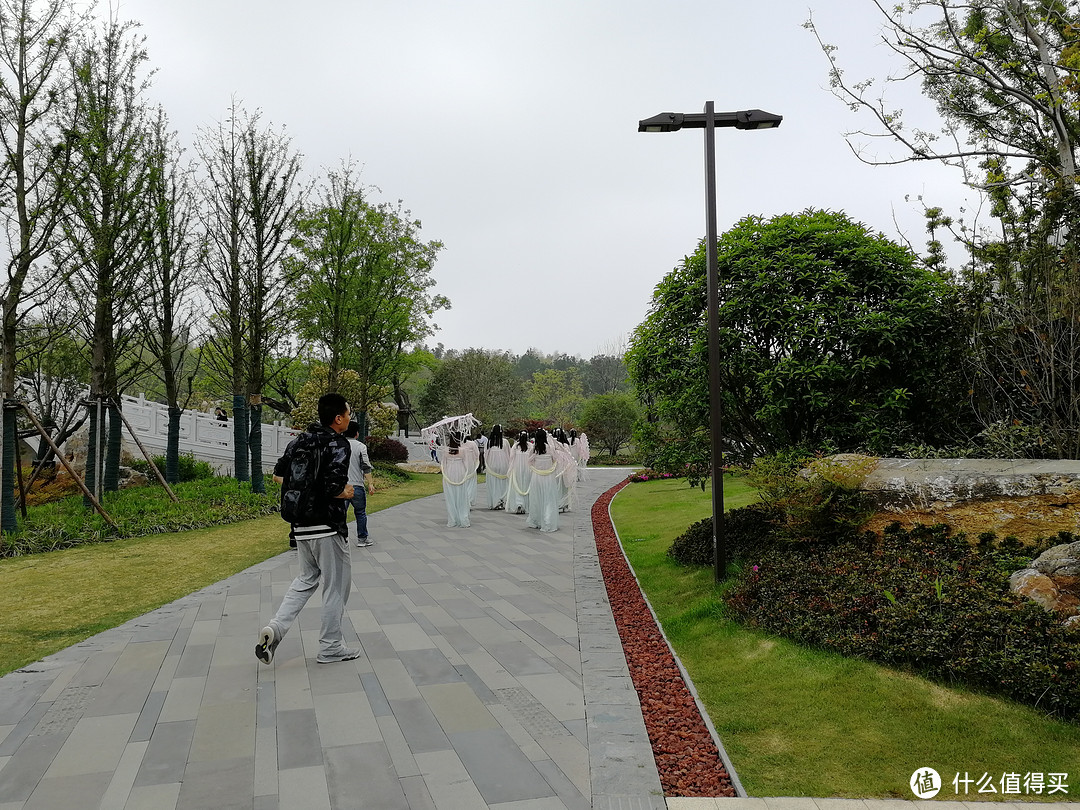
[709,120]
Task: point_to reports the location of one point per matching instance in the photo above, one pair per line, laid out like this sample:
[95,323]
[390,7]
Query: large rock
[900,484]
[1053,581]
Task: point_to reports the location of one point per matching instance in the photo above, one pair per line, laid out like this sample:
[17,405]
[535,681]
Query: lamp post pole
[713,304]
[710,120]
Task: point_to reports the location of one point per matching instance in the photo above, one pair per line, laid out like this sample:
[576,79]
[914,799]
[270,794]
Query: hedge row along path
[686,755]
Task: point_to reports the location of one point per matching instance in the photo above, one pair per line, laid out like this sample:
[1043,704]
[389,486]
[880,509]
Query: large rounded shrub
[386,449]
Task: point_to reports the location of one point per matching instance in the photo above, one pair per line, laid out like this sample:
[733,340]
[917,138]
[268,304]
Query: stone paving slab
[470,692]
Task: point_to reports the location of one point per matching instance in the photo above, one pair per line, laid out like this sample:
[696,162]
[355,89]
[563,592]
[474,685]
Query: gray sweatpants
[325,558]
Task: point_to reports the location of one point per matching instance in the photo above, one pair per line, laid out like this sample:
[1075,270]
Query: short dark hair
[353,430]
[331,406]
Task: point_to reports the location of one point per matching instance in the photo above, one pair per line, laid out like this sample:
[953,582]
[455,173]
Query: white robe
[545,491]
[497,460]
[580,451]
[471,447]
[568,476]
[517,493]
[458,469]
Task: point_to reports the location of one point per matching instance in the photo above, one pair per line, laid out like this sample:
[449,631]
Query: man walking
[359,469]
[314,474]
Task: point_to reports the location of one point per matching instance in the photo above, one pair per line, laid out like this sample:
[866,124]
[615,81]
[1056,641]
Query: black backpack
[298,491]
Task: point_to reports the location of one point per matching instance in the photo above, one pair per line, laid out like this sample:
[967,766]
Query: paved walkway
[492,677]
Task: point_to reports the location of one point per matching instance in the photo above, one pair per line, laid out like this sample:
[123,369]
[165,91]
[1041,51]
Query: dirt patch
[1026,518]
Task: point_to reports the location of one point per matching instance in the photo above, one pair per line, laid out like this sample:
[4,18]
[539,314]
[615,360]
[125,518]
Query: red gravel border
[686,755]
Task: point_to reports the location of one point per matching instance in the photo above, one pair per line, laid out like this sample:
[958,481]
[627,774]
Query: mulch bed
[686,755]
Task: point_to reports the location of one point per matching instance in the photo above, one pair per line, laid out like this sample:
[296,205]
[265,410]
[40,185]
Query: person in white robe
[559,445]
[544,491]
[517,491]
[470,446]
[579,449]
[458,462]
[498,469]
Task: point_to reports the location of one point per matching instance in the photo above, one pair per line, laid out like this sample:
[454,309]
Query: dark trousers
[359,505]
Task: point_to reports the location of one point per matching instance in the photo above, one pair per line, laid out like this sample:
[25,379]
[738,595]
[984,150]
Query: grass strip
[53,600]
[803,722]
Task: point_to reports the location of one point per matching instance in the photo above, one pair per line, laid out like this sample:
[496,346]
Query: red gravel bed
[686,755]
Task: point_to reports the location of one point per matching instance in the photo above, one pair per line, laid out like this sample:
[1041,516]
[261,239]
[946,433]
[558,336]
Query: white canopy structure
[461,425]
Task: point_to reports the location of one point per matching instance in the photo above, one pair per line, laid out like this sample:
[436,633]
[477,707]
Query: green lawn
[801,722]
[51,601]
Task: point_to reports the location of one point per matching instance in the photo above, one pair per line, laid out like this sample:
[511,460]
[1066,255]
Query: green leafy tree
[831,337]
[556,396]
[530,363]
[606,374]
[1004,77]
[319,382]
[608,420]
[480,382]
[363,281]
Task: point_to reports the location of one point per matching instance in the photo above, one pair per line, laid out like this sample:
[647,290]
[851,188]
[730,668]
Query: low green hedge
[921,600]
[604,460]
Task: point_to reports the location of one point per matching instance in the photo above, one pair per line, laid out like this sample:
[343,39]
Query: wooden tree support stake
[71,472]
[146,454]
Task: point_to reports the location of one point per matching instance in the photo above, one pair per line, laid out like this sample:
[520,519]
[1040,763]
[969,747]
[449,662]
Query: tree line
[208,272]
[532,390]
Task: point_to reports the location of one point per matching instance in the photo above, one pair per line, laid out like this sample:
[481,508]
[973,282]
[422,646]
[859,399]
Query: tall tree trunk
[258,480]
[11,458]
[172,446]
[240,434]
[93,460]
[111,479]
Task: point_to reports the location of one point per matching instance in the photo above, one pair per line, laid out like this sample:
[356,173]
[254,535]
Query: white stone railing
[201,435]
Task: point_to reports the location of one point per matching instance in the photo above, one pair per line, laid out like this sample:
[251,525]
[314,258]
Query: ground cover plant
[138,511]
[53,600]
[921,600]
[803,721]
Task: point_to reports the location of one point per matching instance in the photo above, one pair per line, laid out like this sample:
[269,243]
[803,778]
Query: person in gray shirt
[359,476]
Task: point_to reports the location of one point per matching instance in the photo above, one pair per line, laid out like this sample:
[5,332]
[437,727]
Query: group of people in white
[532,475]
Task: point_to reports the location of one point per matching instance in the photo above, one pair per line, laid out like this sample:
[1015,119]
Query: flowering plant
[649,475]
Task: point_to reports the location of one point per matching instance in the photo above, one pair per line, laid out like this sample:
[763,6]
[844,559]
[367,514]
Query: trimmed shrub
[746,529]
[695,545]
[381,448]
[389,471]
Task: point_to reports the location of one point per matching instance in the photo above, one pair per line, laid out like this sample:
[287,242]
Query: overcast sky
[510,130]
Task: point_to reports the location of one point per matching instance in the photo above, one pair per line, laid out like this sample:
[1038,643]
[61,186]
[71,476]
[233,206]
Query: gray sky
[509,128]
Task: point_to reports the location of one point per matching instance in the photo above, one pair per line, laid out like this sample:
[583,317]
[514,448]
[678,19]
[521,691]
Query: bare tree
[105,222]
[34,38]
[167,314]
[252,196]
